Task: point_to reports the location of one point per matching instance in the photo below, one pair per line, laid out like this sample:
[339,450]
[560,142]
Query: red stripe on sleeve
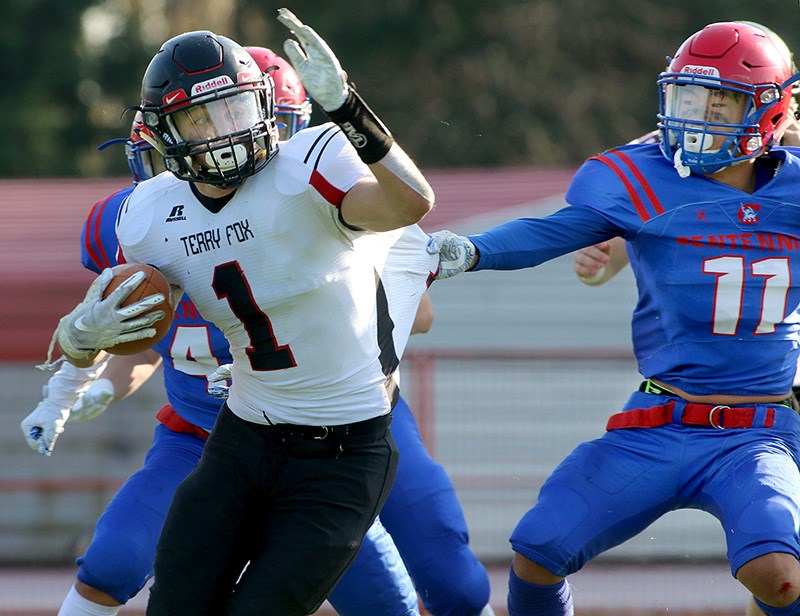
[91,238]
[642,180]
[637,202]
[329,192]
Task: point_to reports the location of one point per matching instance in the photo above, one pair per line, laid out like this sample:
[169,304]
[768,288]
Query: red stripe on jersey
[431,277]
[642,180]
[329,192]
[637,202]
[91,238]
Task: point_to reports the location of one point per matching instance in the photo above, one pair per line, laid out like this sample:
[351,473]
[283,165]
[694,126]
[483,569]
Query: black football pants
[291,503]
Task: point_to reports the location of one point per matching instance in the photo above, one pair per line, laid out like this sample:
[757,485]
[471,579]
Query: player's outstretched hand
[98,323]
[456,253]
[315,63]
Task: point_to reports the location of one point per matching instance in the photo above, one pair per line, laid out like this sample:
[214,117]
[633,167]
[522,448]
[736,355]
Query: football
[154,282]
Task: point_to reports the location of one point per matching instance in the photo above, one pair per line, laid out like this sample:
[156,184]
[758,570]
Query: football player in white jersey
[272,245]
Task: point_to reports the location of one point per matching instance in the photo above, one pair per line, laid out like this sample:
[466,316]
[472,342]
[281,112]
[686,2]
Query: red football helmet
[724,97]
[292,105]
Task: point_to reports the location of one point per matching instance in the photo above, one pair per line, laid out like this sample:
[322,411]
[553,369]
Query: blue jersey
[718,269]
[191,349]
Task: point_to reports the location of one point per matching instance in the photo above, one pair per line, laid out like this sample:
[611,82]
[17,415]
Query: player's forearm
[70,381]
[404,195]
[128,373]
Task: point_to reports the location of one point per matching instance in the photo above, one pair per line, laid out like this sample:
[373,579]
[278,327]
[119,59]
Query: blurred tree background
[460,83]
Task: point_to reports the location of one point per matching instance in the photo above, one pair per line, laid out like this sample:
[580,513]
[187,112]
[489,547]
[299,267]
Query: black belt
[376,426]
[649,387]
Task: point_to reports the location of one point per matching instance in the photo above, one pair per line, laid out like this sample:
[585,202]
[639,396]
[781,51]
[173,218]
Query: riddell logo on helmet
[212,84]
[703,71]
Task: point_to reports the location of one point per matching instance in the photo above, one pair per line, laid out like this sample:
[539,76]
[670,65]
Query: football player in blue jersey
[450,579]
[596,265]
[710,218]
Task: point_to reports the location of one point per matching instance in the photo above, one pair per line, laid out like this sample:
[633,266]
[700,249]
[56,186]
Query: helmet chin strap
[682,169]
[152,141]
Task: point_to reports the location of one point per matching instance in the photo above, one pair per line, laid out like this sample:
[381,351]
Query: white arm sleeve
[70,382]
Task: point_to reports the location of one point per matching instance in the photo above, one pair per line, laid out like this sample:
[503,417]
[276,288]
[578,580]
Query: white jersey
[296,293]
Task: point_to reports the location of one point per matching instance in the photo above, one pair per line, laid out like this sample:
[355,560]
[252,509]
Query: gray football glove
[315,63]
[98,323]
[456,253]
[218,381]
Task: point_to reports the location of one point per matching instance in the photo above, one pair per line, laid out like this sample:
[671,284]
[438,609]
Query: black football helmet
[209,109]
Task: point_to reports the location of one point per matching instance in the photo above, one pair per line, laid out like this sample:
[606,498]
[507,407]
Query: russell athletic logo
[176,214]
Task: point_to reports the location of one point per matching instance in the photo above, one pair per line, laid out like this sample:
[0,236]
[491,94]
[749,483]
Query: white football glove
[94,401]
[455,253]
[218,381]
[43,426]
[315,63]
[98,323]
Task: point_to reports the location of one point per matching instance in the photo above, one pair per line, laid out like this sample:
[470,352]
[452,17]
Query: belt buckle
[324,434]
[720,408]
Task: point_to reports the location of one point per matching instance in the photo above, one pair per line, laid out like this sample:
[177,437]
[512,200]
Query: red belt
[719,416]
[170,418]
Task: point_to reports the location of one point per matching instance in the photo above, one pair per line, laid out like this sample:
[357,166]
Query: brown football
[154,282]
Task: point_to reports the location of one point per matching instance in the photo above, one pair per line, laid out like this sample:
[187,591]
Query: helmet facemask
[708,125]
[219,138]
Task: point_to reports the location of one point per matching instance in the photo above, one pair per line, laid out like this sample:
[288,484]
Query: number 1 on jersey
[264,351]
